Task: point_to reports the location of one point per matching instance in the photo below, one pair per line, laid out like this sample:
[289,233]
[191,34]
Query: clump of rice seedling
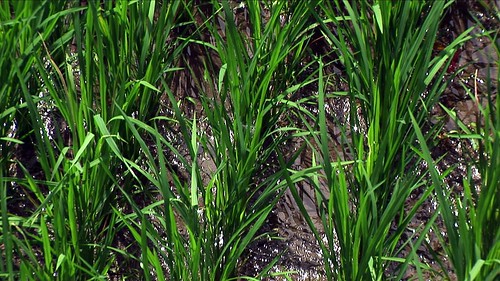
[386,51]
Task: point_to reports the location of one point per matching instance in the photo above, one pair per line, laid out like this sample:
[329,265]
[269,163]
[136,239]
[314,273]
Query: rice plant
[70,106]
[23,29]
[386,51]
[472,241]
[241,107]
[252,81]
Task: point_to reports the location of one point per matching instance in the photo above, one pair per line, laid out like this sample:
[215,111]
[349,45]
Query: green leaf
[378,17]
[476,269]
[12,140]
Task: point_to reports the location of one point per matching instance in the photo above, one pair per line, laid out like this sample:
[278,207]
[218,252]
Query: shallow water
[474,62]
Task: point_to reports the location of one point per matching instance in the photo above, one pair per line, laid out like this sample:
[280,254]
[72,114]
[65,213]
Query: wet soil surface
[292,239]
[477,59]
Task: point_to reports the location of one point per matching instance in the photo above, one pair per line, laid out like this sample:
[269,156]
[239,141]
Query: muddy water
[476,61]
[296,244]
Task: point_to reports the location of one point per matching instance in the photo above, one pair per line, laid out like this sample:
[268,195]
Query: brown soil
[296,244]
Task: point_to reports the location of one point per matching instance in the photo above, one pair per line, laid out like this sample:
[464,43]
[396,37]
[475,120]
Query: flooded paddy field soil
[475,61]
[290,237]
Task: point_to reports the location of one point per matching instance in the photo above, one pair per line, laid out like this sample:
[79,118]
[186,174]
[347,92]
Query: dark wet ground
[301,253]
[296,243]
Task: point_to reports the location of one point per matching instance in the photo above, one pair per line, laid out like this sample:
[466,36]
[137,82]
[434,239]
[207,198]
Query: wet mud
[290,239]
